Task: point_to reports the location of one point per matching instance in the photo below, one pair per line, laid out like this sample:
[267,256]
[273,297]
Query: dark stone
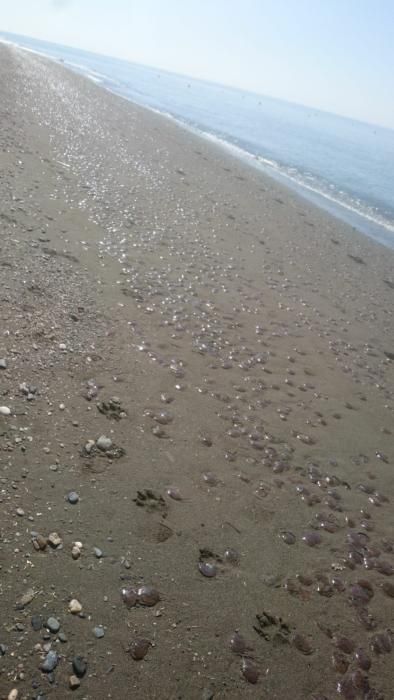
[36,622]
[50,662]
[80,666]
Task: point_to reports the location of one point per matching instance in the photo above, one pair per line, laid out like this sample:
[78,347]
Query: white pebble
[75,606]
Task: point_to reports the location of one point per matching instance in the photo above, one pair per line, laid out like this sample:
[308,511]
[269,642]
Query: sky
[335,55]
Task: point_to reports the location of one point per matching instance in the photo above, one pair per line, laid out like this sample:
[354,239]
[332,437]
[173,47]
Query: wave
[302,180]
[338,198]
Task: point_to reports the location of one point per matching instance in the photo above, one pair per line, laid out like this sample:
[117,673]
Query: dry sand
[249,339]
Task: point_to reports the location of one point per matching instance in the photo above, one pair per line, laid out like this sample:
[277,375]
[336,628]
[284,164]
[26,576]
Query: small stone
[20,512]
[39,542]
[74,682]
[3,364]
[53,624]
[50,662]
[36,622]
[13,694]
[3,649]
[79,666]
[62,637]
[89,446]
[97,552]
[75,552]
[73,497]
[5,411]
[98,632]
[104,443]
[25,599]
[75,606]
[54,540]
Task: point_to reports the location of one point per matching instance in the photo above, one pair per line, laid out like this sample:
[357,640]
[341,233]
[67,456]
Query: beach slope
[196,376]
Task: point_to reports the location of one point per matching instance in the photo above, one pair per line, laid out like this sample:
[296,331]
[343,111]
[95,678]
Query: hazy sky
[336,55]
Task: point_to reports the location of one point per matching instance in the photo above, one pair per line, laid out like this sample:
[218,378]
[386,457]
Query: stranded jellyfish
[147,595]
[207,569]
[129,597]
[139,648]
[250,671]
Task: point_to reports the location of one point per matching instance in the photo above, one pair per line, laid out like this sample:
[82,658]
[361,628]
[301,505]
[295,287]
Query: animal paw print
[152,502]
[272,628]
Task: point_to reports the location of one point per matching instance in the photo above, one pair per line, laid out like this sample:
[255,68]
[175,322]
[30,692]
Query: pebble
[98,632]
[79,666]
[54,540]
[25,599]
[5,411]
[36,622]
[75,551]
[53,624]
[74,606]
[13,694]
[74,682]
[50,662]
[89,446]
[39,542]
[97,552]
[20,512]
[104,443]
[73,497]
[3,364]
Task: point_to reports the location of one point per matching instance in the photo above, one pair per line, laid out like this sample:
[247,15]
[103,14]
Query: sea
[341,165]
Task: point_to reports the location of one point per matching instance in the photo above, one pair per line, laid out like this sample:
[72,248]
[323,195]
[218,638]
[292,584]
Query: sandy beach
[196,377]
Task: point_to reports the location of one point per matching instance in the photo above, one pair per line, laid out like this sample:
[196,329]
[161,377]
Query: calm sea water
[340,164]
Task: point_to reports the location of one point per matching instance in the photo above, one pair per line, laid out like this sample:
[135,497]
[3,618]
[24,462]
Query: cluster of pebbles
[222,416]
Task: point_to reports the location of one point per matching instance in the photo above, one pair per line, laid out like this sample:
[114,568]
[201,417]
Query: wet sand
[247,338]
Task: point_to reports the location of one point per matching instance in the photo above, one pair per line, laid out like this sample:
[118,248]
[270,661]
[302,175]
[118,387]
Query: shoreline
[345,212]
[236,346]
